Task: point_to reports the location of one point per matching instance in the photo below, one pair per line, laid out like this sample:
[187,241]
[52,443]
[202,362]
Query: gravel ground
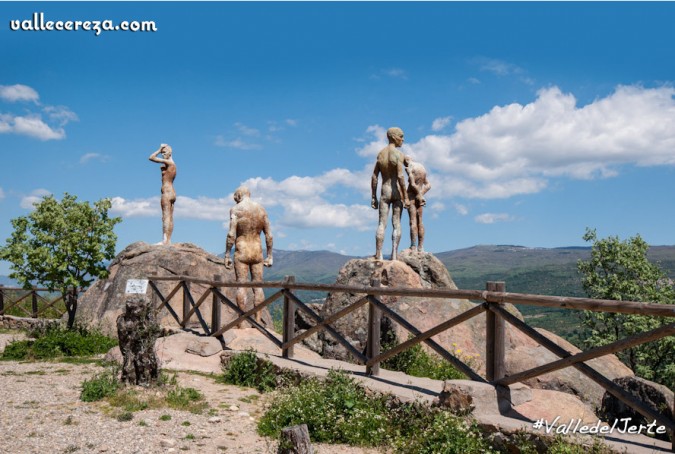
[40,412]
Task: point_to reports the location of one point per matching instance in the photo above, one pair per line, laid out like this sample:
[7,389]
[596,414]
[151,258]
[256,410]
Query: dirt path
[41,413]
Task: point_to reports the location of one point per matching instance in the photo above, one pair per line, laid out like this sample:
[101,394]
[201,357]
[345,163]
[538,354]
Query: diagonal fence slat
[466,370]
[165,301]
[593,353]
[246,315]
[464,316]
[191,300]
[357,354]
[587,370]
[242,316]
[326,321]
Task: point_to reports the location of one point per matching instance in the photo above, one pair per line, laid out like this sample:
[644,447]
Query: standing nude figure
[390,164]
[168,192]
[247,220]
[418,185]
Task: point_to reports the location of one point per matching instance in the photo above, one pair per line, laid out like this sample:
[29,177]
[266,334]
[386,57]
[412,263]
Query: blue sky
[534,120]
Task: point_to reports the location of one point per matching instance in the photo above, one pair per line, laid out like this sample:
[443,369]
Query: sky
[534,120]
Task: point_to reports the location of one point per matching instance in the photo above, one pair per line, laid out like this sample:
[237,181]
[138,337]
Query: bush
[335,411]
[417,362]
[101,385]
[246,369]
[55,341]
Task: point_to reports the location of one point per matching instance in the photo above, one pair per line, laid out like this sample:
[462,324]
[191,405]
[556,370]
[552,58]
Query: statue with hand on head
[418,185]
[168,192]
[392,193]
[247,220]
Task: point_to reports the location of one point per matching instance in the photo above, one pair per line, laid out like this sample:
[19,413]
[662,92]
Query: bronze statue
[168,192]
[247,220]
[390,164]
[418,185]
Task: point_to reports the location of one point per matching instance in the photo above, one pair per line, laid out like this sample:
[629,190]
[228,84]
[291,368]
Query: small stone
[233,408]
[215,420]
[243,413]
[167,443]
[251,418]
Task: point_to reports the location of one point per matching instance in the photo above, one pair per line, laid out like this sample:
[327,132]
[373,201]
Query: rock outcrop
[100,305]
[466,341]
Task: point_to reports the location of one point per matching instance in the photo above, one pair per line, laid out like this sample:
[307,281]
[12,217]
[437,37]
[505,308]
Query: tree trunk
[70,298]
[295,440]
[137,330]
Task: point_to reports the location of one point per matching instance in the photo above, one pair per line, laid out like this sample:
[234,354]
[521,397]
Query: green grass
[246,369]
[417,362]
[57,342]
[101,385]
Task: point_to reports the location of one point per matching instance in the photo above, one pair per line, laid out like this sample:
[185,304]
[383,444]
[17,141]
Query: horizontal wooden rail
[588,304]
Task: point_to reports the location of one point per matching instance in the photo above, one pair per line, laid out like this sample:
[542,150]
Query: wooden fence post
[289,320]
[34,303]
[373,343]
[494,338]
[216,307]
[2,300]
[186,303]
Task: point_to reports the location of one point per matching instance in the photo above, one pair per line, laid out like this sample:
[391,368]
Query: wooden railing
[492,303]
[17,299]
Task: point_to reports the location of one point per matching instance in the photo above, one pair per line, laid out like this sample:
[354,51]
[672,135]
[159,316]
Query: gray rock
[205,346]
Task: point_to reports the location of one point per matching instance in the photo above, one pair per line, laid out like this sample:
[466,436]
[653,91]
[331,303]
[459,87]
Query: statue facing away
[392,193]
[168,192]
[247,220]
[418,185]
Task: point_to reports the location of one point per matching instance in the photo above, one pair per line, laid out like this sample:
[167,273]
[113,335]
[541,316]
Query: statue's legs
[167,219]
[381,226]
[241,272]
[257,275]
[412,214]
[420,228]
[396,222]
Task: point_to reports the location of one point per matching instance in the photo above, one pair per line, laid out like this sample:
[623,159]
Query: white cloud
[31,125]
[60,114]
[85,158]
[440,123]
[515,149]
[394,73]
[237,143]
[461,209]
[291,122]
[18,92]
[491,218]
[34,197]
[473,80]
[246,130]
[205,208]
[378,140]
[318,213]
[496,66]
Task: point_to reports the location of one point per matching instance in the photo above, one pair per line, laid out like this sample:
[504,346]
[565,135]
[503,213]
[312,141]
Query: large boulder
[100,305]
[466,340]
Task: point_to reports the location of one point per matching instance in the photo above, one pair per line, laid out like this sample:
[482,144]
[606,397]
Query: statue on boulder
[247,220]
[418,185]
[168,192]
[392,193]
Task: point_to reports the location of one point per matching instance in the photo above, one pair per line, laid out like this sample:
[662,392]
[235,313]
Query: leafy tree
[620,270]
[62,246]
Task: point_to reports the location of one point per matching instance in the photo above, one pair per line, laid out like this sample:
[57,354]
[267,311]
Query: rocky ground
[41,413]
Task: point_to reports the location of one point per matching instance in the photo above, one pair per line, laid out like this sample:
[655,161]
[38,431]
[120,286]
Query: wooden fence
[492,303]
[17,299]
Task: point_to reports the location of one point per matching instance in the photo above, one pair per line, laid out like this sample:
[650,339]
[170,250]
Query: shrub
[335,411]
[55,341]
[417,362]
[186,399]
[101,385]
[246,369]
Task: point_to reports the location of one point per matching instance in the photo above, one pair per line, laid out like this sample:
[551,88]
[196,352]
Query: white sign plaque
[137,286]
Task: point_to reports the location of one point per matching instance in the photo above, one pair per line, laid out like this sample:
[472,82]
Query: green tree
[620,270]
[62,245]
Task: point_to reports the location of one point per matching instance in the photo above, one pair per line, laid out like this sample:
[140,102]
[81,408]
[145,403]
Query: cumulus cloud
[491,218]
[85,158]
[514,149]
[60,114]
[205,208]
[440,123]
[246,130]
[18,92]
[30,125]
[34,197]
